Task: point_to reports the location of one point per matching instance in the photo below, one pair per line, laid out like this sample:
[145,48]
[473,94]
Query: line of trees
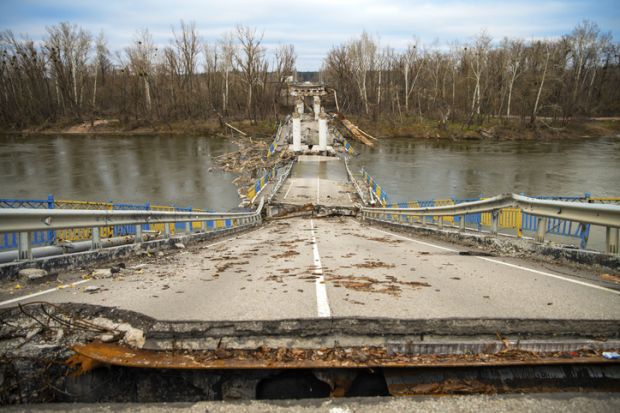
[73,76]
[575,75]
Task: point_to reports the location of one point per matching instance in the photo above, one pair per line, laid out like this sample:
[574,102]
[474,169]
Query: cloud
[314,26]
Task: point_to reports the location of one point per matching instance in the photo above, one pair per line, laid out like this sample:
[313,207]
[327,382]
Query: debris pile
[249,159]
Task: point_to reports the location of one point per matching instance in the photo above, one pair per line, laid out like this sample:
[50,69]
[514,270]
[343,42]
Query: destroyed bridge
[319,273]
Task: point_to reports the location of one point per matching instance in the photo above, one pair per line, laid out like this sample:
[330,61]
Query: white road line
[322,303]
[51,290]
[598,287]
[318,181]
[289,190]
[546,274]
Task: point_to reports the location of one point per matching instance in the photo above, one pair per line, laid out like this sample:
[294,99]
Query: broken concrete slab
[33,275]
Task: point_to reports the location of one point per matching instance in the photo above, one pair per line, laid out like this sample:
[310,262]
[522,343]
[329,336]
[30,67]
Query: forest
[72,76]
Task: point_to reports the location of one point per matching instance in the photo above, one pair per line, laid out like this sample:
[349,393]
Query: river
[178,169]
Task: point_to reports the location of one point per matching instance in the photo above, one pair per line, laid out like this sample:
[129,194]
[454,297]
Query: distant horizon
[313,28]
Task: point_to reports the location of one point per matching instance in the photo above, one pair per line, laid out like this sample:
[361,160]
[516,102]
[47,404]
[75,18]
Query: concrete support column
[299,106]
[322,132]
[296,132]
[317,107]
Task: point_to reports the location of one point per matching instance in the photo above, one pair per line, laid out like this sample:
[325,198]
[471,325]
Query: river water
[175,170]
[421,169]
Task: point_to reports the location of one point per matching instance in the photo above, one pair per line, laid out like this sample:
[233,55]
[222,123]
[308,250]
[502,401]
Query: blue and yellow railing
[509,218]
[376,188]
[260,184]
[347,146]
[10,240]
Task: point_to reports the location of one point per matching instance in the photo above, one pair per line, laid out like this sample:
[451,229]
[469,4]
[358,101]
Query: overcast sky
[315,25]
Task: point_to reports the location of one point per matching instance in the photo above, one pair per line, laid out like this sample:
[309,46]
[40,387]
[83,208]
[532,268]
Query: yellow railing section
[511,218]
[161,227]
[79,234]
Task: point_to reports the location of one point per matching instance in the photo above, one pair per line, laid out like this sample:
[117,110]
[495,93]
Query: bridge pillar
[299,106]
[296,132]
[322,132]
[317,107]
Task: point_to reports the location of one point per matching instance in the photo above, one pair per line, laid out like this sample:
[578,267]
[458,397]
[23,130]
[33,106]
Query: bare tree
[250,61]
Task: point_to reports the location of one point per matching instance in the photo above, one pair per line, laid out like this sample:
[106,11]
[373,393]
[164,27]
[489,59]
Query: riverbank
[382,128]
[494,129]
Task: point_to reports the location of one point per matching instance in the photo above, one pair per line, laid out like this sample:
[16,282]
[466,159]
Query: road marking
[51,290]
[322,303]
[318,181]
[289,189]
[598,287]
[25,297]
[547,274]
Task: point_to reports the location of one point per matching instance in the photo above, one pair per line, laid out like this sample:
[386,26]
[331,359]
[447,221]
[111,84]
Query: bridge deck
[319,180]
[339,267]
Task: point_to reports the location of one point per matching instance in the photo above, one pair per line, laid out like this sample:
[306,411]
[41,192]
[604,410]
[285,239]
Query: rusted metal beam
[95,354]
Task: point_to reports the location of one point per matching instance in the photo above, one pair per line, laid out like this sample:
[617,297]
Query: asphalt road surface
[335,267]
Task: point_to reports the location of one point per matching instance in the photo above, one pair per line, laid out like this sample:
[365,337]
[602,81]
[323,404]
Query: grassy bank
[383,127]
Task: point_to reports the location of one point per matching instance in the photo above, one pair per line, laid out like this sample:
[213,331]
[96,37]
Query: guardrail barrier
[568,216]
[25,224]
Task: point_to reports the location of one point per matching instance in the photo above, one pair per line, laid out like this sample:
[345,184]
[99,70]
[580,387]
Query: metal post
[51,234]
[138,238]
[204,226]
[188,227]
[494,221]
[423,220]
[440,222]
[96,238]
[611,238]
[167,230]
[462,223]
[541,229]
[25,246]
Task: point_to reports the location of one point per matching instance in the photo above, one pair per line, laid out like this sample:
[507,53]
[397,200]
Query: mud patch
[391,285]
[285,254]
[374,264]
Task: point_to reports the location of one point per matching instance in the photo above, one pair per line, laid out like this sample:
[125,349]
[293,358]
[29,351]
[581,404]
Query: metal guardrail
[28,221]
[347,146]
[375,189]
[604,215]
[284,173]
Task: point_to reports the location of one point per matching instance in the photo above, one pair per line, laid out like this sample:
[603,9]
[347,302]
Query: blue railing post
[147,207]
[51,234]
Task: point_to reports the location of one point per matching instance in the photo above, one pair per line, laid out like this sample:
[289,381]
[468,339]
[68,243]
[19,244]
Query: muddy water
[419,169]
[175,169]
[161,169]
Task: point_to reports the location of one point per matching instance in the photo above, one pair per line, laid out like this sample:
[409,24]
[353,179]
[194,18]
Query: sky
[313,26]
